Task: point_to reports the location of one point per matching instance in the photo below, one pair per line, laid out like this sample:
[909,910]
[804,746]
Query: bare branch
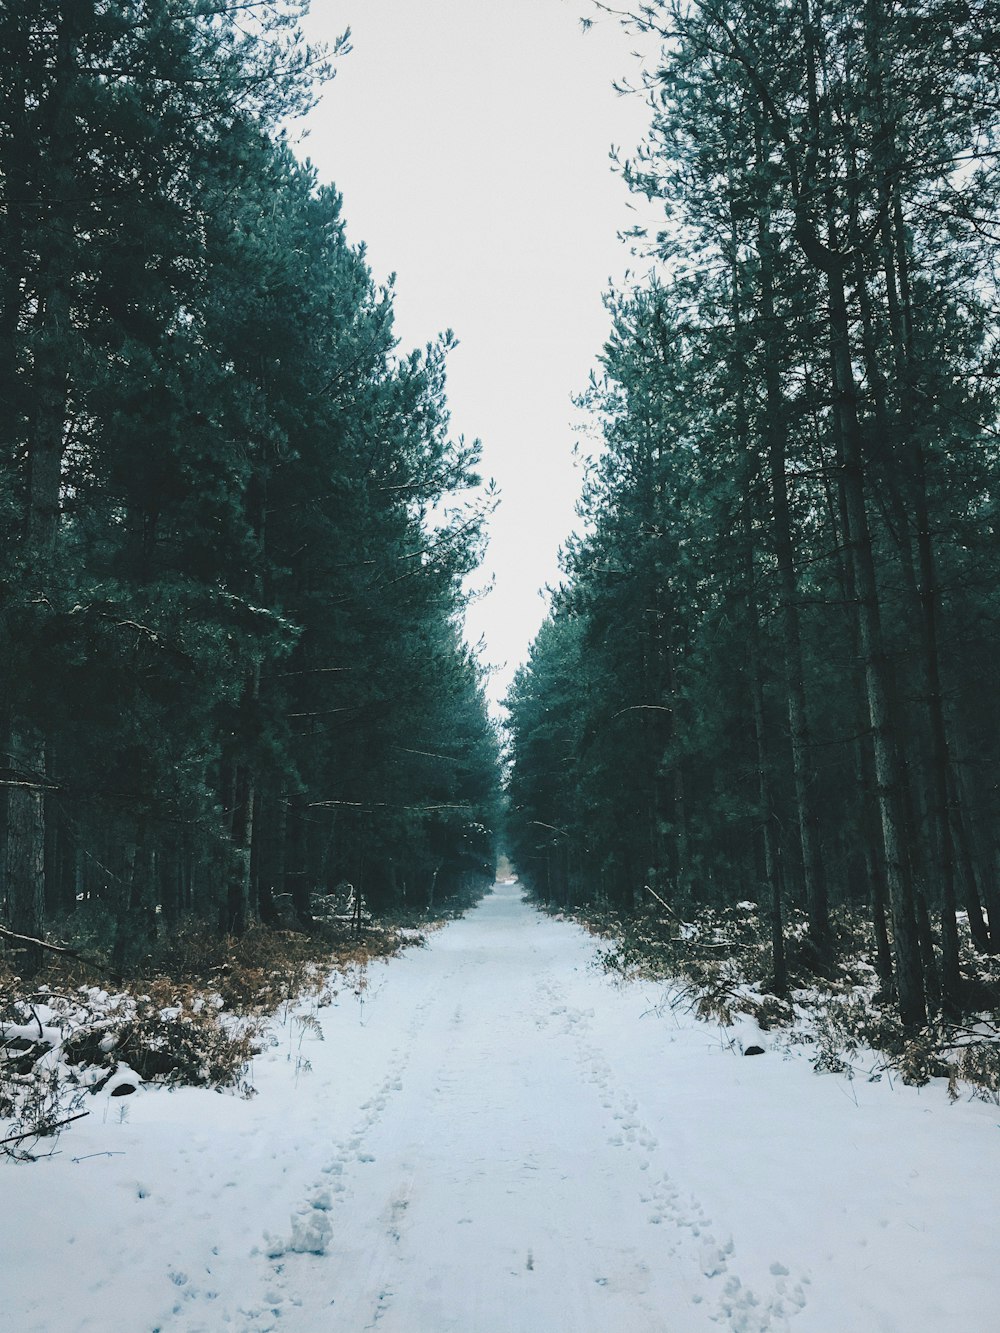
[13,938]
[40,1131]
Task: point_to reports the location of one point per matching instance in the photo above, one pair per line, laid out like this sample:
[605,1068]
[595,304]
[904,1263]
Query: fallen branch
[641,708]
[14,938]
[702,944]
[42,1131]
[680,920]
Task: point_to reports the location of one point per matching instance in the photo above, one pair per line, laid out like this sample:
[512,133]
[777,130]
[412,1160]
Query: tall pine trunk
[50,342]
[899,305]
[811,188]
[794,672]
[888,776]
[864,763]
[25,869]
[745,444]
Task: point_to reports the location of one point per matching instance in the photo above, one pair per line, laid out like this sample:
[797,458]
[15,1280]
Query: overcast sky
[470,140]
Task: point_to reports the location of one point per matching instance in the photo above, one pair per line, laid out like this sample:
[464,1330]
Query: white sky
[470,140]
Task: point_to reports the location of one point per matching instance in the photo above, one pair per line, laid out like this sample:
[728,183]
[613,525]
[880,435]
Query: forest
[236,528]
[329,998]
[770,675]
[234,523]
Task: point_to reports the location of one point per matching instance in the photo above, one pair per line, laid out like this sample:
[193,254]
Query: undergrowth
[719,964]
[192,1012]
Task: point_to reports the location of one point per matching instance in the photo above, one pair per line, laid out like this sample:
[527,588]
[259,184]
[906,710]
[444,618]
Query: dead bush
[977,1066]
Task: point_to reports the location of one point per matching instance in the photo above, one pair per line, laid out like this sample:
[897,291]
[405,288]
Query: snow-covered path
[501,1177]
[499,1140]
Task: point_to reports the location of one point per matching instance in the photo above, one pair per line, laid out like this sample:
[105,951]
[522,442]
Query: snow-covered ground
[497,1140]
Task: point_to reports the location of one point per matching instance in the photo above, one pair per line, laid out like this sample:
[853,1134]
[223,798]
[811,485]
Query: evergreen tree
[230,578]
[798,433]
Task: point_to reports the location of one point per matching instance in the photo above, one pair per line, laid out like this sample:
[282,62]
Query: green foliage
[234,524]
[781,609]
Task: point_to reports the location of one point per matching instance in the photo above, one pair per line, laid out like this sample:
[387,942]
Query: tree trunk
[296,871]
[237,910]
[896,271]
[864,763]
[909,978]
[50,338]
[794,676]
[26,840]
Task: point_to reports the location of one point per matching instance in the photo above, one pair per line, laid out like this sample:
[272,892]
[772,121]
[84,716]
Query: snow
[490,1137]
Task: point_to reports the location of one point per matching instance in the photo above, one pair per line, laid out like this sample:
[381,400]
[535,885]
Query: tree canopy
[234,522]
[769,673]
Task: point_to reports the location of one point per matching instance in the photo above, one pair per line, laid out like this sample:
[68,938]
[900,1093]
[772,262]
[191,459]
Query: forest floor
[486,1135]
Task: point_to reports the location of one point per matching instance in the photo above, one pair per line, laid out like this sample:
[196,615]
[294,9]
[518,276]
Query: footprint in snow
[713,1256]
[312,1231]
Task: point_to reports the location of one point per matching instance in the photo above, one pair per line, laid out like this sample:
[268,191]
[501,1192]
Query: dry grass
[719,964]
[192,1014]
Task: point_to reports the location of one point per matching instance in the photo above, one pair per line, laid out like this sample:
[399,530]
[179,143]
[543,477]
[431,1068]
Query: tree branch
[40,1131]
[14,938]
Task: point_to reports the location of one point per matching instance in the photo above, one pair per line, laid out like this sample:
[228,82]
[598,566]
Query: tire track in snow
[518,1168]
[274,1269]
[481,1219]
[322,1213]
[478,1189]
